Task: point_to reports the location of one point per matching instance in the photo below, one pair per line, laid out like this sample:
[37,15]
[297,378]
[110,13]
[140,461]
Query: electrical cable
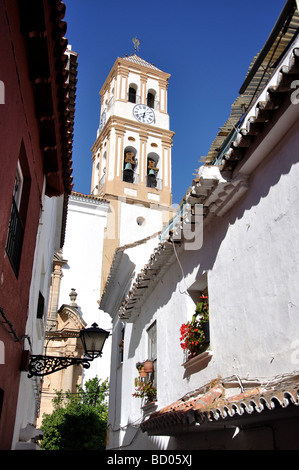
[182,271]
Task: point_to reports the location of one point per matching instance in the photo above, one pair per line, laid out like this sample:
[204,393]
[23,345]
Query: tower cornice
[124,65]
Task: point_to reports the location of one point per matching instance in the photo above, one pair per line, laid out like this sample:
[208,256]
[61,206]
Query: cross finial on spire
[136,43]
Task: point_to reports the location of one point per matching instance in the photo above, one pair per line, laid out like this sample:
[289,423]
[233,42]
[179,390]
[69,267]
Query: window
[152,341]
[199,318]
[18,212]
[18,186]
[152,349]
[121,338]
[141,221]
[14,238]
[40,306]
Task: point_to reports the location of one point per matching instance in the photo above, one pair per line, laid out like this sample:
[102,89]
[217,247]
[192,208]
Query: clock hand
[141,115]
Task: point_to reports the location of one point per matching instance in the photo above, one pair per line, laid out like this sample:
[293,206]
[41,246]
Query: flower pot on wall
[148,366]
[142,372]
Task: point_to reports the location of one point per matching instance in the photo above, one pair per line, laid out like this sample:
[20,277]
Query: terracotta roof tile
[91,197]
[213,405]
[138,60]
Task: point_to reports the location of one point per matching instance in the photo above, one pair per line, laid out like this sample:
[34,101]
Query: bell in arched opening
[129,166]
[152,171]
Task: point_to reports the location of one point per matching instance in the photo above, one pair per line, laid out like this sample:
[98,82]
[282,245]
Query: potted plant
[145,390]
[148,366]
[192,337]
[140,368]
[194,334]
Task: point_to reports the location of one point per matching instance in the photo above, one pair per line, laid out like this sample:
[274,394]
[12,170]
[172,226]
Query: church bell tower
[132,152]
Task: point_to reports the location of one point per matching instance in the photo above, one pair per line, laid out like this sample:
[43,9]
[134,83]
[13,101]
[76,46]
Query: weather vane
[136,43]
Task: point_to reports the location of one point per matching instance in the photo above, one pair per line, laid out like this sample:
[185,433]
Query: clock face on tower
[144,114]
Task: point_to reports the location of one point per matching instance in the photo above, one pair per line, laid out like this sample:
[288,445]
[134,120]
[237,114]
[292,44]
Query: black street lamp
[93,340]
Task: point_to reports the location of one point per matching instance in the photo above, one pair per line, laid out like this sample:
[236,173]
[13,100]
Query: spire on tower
[136,43]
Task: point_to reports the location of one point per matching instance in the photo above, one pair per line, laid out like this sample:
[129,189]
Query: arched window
[132,94]
[151,99]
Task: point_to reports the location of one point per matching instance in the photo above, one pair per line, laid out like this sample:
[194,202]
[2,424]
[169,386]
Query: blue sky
[205,46]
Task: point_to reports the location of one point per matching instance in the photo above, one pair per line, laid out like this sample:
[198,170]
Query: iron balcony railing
[14,238]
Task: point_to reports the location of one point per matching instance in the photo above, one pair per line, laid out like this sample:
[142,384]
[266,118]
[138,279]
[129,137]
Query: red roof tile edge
[213,405]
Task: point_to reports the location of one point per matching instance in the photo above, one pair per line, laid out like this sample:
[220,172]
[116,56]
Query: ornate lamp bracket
[43,365]
[93,340]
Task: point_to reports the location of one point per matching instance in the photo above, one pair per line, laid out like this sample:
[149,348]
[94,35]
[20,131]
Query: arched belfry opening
[132,93]
[150,99]
[152,168]
[130,165]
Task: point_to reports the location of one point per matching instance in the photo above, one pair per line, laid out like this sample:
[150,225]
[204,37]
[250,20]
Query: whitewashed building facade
[241,391]
[50,231]
[83,253]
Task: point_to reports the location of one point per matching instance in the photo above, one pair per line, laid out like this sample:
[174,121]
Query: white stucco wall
[28,401]
[83,250]
[259,260]
[150,218]
[124,410]
[251,258]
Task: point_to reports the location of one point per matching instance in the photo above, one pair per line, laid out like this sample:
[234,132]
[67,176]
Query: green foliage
[202,308]
[144,389]
[79,421]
